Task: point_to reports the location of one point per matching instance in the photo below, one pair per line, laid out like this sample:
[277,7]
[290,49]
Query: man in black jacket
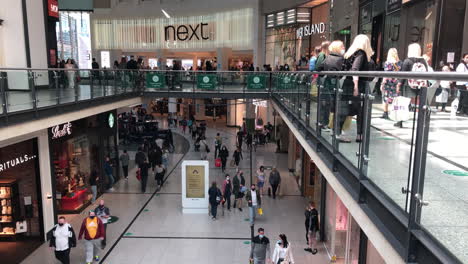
[312,227]
[63,239]
[140,157]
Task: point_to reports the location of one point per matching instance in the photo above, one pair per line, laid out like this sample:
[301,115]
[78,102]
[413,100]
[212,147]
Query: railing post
[3,77]
[91,84]
[33,89]
[57,88]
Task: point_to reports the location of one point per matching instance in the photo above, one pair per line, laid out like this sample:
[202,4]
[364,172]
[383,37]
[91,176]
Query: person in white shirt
[462,85]
[63,239]
[255,201]
[283,251]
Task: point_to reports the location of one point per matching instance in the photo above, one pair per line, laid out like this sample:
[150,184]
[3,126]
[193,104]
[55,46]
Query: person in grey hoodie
[275,181]
[260,250]
[124,160]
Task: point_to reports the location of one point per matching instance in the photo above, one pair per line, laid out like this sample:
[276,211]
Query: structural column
[223,55]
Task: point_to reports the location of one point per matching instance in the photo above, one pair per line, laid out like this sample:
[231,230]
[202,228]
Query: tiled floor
[152,229]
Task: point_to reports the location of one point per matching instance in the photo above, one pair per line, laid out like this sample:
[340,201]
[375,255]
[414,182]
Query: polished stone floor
[152,229]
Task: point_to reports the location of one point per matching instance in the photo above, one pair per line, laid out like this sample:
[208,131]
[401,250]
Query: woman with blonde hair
[389,85]
[357,58]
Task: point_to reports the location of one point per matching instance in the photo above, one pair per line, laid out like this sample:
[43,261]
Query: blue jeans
[252,211]
[111,181]
[94,191]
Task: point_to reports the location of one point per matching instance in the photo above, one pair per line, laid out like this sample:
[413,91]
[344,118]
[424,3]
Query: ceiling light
[165,13]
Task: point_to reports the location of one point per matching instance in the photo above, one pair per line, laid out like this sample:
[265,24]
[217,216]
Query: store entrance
[376,39]
[21,220]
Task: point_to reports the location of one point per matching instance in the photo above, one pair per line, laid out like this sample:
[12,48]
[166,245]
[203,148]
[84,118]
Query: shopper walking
[159,175]
[93,231]
[93,179]
[237,156]
[63,239]
[322,54]
[389,85]
[227,191]
[333,62]
[283,251]
[140,157]
[312,227]
[410,87]
[254,201]
[103,213]
[204,149]
[275,181]
[240,138]
[261,179]
[190,125]
[109,171]
[218,142]
[70,73]
[124,161]
[357,58]
[260,249]
[184,125]
[443,92]
[214,197]
[462,86]
[144,167]
[223,155]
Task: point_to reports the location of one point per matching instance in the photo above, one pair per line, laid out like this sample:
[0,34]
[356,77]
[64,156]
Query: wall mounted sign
[61,130]
[393,5]
[186,32]
[310,30]
[52,6]
[111,120]
[5,165]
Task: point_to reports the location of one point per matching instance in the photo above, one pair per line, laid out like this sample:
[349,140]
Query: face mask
[253,189]
[342,52]
[61,224]
[227,179]
[261,236]
[92,217]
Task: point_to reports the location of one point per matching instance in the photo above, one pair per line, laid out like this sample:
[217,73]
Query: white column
[172,107]
[46,181]
[222,56]
[258,36]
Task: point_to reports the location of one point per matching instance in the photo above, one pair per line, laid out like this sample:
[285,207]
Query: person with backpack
[223,155]
[357,58]
[218,142]
[63,239]
[414,63]
[462,86]
[214,197]
[388,86]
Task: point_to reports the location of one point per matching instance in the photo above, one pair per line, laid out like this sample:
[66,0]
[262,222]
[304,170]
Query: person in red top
[93,230]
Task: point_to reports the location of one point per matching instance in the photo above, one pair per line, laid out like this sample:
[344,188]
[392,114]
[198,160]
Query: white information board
[195,183]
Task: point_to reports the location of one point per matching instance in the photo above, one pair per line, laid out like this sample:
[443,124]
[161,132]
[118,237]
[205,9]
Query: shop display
[9,207]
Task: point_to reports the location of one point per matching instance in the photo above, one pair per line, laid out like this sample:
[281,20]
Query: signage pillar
[195,184]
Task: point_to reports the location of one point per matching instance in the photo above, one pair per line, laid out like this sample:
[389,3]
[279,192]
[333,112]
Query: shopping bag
[347,123]
[314,90]
[331,120]
[138,174]
[260,211]
[399,109]
[218,163]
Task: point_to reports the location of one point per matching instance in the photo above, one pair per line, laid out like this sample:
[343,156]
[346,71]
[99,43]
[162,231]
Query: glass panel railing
[444,195]
[18,86]
[327,87]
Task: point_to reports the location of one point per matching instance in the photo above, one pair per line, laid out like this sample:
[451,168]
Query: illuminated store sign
[186,32]
[310,30]
[58,132]
[53,8]
[5,165]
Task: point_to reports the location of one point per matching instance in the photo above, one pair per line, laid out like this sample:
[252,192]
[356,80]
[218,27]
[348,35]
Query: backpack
[418,66]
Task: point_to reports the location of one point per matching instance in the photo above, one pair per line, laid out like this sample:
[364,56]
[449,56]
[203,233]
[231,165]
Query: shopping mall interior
[234,131]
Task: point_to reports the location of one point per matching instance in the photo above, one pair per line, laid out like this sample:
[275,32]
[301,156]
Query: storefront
[78,148]
[225,38]
[292,35]
[21,214]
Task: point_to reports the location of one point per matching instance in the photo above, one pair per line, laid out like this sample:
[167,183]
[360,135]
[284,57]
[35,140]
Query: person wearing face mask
[93,230]
[283,251]
[223,155]
[227,191]
[63,239]
[254,201]
[260,249]
[103,213]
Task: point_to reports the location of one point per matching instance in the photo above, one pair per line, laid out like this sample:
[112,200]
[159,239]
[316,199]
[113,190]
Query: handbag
[138,174]
[260,211]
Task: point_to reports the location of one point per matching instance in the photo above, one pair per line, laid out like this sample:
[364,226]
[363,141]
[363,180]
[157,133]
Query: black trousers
[125,171]
[214,209]
[144,180]
[227,197]
[217,149]
[104,241]
[274,188]
[63,256]
[223,164]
